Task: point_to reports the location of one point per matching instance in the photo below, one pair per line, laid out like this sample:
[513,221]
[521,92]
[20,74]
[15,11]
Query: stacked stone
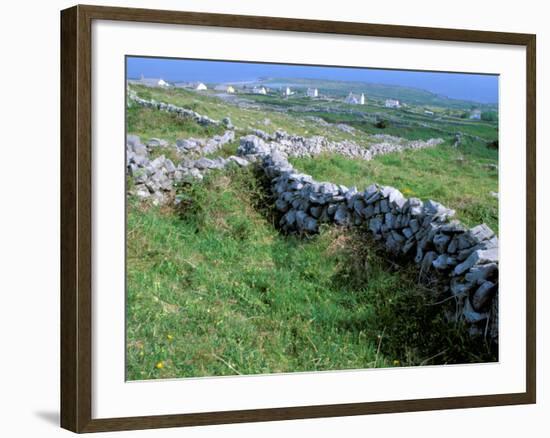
[299,146]
[202,146]
[154,179]
[422,231]
[168,107]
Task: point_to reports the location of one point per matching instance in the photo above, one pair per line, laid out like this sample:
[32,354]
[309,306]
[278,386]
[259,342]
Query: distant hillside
[415,96]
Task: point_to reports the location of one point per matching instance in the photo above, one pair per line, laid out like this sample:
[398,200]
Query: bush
[382,124]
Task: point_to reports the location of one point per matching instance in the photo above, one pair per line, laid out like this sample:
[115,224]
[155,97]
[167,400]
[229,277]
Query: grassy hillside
[462,178]
[215,289]
[150,123]
[244,118]
[411,95]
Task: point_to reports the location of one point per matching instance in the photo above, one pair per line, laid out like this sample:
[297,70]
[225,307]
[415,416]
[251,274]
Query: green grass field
[244,119]
[150,123]
[215,289]
[458,179]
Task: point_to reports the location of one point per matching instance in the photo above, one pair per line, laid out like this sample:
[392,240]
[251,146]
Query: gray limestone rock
[459,287]
[407,232]
[470,315]
[481,232]
[478,274]
[373,198]
[227,123]
[368,212]
[443,262]
[427,261]
[238,160]
[157,142]
[388,220]
[281,205]
[169,166]
[413,224]
[478,257]
[440,242]
[483,295]
[316,211]
[375,224]
[342,216]
[310,224]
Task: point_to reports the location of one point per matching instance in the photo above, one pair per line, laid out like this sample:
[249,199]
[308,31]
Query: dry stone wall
[183,112]
[298,146]
[154,179]
[423,231]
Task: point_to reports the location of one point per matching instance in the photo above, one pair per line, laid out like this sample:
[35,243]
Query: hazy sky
[476,87]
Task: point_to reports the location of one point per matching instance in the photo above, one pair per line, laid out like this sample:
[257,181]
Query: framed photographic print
[268,219]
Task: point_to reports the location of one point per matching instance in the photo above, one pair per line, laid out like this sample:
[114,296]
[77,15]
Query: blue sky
[476,87]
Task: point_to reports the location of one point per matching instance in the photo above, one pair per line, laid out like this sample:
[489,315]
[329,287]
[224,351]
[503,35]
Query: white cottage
[200,87]
[392,103]
[150,82]
[259,90]
[225,88]
[475,115]
[312,92]
[287,92]
[352,99]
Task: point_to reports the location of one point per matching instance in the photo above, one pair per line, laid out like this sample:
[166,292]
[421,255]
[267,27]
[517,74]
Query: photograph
[289,218]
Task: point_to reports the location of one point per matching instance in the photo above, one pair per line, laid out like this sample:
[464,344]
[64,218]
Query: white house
[259,90]
[428,112]
[392,103]
[287,92]
[475,114]
[150,82]
[225,88]
[312,92]
[200,87]
[352,99]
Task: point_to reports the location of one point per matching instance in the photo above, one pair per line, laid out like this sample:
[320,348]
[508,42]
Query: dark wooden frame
[76,225]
